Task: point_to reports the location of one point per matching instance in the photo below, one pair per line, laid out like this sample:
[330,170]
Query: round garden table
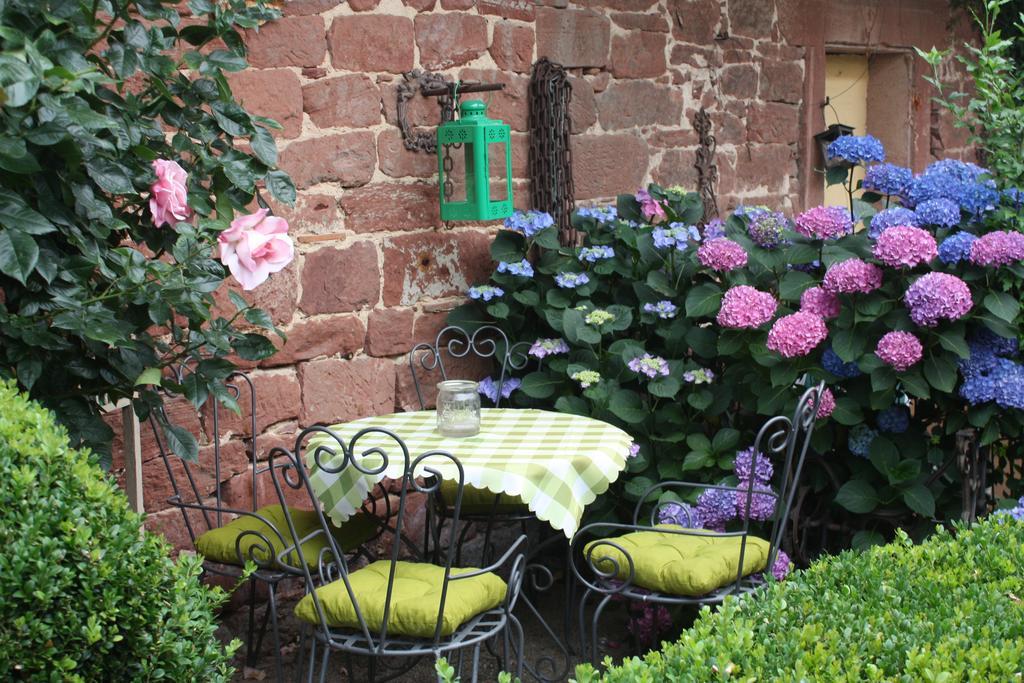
[556,463]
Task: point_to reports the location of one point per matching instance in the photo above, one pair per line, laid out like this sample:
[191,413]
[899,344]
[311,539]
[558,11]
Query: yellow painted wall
[846,86]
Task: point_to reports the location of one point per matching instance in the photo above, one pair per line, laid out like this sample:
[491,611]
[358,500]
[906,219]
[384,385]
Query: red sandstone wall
[376,272]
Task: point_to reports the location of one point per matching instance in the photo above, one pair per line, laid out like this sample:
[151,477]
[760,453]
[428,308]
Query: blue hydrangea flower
[743,466]
[956,247]
[857,149]
[716,507]
[571,280]
[715,228]
[603,214]
[1016,512]
[489,388]
[1014,198]
[886,218]
[887,178]
[485,292]
[958,181]
[859,441]
[990,342]
[831,361]
[663,309]
[811,267]
[750,211]
[681,514]
[594,254]
[676,235]
[894,420]
[989,374]
[523,268]
[942,212]
[766,228]
[529,223]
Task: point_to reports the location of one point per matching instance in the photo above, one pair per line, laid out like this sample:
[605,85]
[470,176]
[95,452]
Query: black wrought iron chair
[451,346]
[394,609]
[671,564]
[227,537]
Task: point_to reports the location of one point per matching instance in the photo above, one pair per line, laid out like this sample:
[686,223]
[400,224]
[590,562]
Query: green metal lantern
[474,166]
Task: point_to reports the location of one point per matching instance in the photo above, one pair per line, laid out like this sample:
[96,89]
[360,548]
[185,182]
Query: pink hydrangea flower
[650,208]
[999,248]
[797,334]
[819,302]
[824,222]
[827,404]
[745,307]
[168,199]
[938,296]
[256,246]
[899,350]
[904,246]
[852,275]
[721,254]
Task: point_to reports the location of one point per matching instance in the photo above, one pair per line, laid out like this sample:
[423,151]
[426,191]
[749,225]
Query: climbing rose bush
[128,179]
[906,338]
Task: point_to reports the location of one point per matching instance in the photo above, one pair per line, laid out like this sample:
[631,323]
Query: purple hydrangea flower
[489,388]
[859,440]
[796,334]
[762,502]
[941,212]
[999,248]
[745,211]
[887,218]
[571,280]
[548,347]
[721,254]
[523,268]
[782,565]
[743,466]
[652,366]
[744,307]
[716,507]
[938,296]
[856,149]
[680,514]
[819,302]
[852,275]
[903,246]
[899,350]
[663,309]
[826,404]
[887,178]
[699,376]
[634,450]
[824,222]
[529,223]
[956,248]
[766,228]
[715,228]
[894,420]
[485,292]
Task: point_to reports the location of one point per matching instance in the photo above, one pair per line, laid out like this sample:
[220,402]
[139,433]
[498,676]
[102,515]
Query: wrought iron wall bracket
[447,92]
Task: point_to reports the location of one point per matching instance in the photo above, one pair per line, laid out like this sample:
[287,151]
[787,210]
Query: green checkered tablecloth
[557,463]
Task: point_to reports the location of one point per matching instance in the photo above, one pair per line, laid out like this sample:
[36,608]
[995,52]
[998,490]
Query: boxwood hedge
[84,596]
[949,609]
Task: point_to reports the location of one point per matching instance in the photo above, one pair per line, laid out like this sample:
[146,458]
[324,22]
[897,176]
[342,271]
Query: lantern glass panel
[497,172]
[459,154]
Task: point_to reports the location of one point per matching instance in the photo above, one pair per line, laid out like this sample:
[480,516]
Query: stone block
[288,41]
[782,82]
[751,18]
[639,103]
[512,47]
[276,296]
[572,37]
[340,279]
[277,400]
[511,105]
[766,167]
[313,214]
[336,335]
[398,162]
[739,80]
[349,101]
[447,40]
[695,21]
[344,158]
[582,106]
[605,165]
[274,93]
[389,207]
[639,21]
[773,122]
[676,168]
[638,54]
[523,10]
[389,331]
[433,265]
[371,43]
[342,390]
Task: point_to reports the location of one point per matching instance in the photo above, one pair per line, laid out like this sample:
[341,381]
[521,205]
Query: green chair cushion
[478,501]
[677,564]
[218,545]
[415,599]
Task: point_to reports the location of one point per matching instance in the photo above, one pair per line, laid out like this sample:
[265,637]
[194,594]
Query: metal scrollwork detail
[707,169]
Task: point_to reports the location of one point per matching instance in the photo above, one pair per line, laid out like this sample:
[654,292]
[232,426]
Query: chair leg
[250,641]
[324,661]
[595,654]
[519,644]
[311,659]
[581,626]
[476,664]
[275,632]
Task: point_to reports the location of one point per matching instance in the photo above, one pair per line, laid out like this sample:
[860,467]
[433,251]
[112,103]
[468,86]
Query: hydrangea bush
[689,337]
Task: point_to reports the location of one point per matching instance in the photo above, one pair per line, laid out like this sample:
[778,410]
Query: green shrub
[86,596]
[947,610]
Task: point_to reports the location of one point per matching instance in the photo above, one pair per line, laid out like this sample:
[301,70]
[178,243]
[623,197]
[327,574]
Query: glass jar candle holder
[458,408]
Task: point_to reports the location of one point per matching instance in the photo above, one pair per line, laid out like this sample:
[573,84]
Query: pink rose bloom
[256,246]
[650,208]
[826,405]
[168,200]
[746,307]
[796,334]
[899,350]
[816,300]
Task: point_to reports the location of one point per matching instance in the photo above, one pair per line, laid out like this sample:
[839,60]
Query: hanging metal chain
[707,170]
[550,160]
